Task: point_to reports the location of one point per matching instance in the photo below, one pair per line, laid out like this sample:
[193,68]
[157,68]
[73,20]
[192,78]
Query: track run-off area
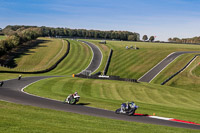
[12,91]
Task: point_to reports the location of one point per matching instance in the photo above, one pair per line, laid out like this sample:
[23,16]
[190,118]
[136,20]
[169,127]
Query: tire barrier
[108,63]
[107,78]
[46,70]
[179,70]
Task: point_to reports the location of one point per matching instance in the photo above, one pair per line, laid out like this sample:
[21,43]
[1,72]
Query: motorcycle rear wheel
[118,111]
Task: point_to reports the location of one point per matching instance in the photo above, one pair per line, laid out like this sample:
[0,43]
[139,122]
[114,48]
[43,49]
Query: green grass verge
[43,55]
[181,103]
[77,60]
[135,63]
[162,100]
[196,67]
[22,119]
[189,79]
[172,68]
[2,37]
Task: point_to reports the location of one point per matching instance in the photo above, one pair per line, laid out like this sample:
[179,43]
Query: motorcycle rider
[75,93]
[71,96]
[126,106]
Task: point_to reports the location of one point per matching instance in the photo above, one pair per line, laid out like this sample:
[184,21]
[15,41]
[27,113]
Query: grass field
[135,63]
[164,101]
[195,70]
[77,60]
[41,56]
[172,68]
[22,119]
[180,102]
[188,79]
[2,37]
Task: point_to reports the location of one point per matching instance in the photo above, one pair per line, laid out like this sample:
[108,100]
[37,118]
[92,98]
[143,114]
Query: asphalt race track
[12,91]
[97,57]
[150,75]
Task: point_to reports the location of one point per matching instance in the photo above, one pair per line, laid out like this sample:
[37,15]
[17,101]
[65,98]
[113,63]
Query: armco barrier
[179,71]
[46,70]
[108,63]
[106,78]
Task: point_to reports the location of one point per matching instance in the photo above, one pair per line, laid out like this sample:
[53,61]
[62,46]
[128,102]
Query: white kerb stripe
[162,118]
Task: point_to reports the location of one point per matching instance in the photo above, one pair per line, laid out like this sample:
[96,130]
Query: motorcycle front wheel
[72,101]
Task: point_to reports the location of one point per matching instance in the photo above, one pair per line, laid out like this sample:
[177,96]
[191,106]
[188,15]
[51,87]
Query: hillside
[162,100]
[130,63]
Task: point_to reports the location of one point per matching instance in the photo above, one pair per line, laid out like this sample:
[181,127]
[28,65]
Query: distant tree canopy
[18,38]
[19,34]
[145,37]
[10,30]
[132,37]
[83,33]
[151,38]
[185,40]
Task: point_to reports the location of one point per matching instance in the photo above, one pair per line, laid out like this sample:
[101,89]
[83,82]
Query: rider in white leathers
[71,96]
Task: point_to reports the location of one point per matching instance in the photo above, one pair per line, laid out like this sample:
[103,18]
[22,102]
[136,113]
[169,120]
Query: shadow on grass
[9,59]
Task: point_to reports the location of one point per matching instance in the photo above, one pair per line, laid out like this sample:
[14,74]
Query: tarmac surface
[12,91]
[97,57]
[151,74]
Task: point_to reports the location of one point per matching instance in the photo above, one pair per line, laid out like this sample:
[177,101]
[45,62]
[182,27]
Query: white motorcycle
[72,99]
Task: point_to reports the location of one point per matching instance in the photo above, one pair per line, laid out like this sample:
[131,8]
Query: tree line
[145,38]
[17,38]
[185,40]
[82,33]
[19,34]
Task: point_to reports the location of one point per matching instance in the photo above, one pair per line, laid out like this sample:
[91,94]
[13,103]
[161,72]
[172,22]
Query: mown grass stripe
[109,95]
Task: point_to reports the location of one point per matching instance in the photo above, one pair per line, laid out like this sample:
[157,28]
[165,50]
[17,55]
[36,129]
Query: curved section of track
[151,74]
[97,57]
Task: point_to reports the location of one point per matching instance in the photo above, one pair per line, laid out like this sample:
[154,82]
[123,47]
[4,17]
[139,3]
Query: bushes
[18,38]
